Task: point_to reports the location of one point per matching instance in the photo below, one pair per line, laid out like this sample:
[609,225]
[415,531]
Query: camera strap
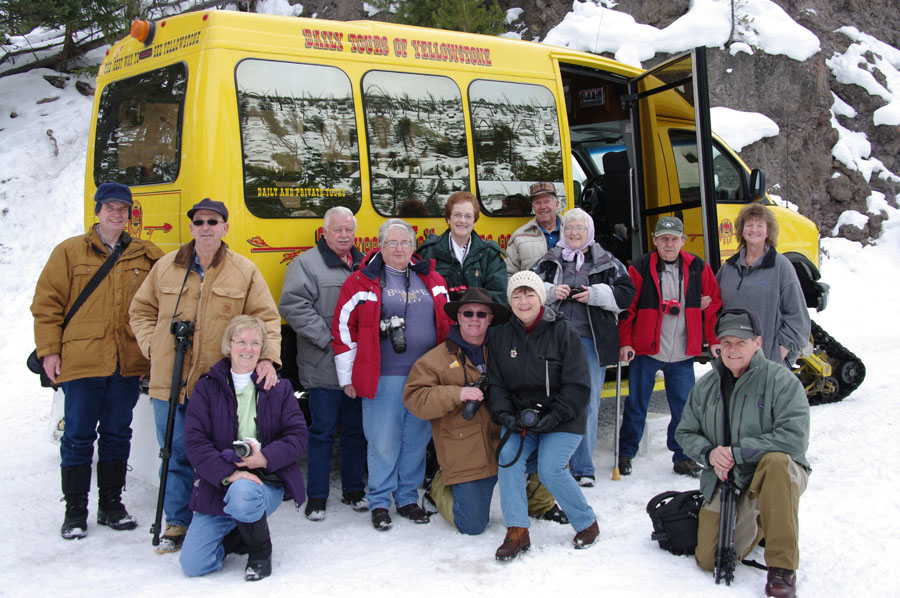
[175,313]
[383,282]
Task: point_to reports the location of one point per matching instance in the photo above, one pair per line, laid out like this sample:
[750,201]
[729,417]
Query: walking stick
[616,476]
[183,332]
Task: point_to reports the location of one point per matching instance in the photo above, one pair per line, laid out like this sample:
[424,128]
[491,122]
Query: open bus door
[685,74]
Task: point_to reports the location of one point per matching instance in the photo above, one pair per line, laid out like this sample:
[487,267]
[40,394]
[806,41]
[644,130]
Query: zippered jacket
[355,327]
[232,285]
[309,295]
[210,427]
[772,292]
[640,327]
[768,412]
[521,366]
[483,266]
[611,293]
[525,246]
[98,337]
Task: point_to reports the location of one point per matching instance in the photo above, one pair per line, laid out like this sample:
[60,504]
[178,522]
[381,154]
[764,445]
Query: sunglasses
[475,314]
[211,222]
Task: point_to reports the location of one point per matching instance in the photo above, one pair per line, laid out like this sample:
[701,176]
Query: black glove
[545,424]
[509,421]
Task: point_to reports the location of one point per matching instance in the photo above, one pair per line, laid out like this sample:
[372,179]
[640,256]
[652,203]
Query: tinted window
[516,136]
[299,139]
[139,128]
[417,142]
[727,173]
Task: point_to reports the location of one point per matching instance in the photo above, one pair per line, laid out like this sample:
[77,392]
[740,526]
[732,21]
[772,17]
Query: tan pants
[767,509]
[539,498]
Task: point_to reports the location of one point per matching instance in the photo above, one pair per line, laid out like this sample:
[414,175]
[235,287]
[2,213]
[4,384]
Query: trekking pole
[183,332]
[616,476]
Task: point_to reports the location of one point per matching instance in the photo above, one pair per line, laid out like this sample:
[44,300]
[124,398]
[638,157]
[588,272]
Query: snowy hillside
[847,515]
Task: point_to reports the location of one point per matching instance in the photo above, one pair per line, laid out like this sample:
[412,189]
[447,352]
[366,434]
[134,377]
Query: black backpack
[675,519]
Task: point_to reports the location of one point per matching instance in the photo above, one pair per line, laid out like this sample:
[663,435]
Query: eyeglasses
[211,222]
[395,244]
[578,228]
[465,217]
[243,344]
[475,314]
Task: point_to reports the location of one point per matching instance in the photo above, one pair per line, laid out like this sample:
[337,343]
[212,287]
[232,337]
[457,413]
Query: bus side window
[139,120]
[515,127]
[417,142]
[299,139]
[726,172]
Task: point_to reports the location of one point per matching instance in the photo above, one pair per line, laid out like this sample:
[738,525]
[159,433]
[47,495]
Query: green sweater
[768,412]
[483,267]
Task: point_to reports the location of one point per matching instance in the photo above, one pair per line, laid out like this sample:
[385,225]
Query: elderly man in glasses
[205,283]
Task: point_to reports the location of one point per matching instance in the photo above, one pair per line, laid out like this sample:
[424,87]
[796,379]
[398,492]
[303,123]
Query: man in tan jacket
[95,357]
[205,283]
[539,235]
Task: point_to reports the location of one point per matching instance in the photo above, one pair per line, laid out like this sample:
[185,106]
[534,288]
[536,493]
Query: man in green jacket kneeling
[749,417]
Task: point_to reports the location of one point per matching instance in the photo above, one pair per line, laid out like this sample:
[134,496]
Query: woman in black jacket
[539,391]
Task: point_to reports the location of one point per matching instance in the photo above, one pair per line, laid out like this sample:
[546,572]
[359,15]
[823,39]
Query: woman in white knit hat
[540,388]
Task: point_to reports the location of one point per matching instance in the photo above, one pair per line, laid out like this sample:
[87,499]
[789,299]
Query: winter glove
[547,423]
[509,421]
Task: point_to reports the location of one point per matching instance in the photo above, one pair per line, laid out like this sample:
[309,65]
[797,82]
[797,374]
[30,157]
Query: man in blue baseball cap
[96,360]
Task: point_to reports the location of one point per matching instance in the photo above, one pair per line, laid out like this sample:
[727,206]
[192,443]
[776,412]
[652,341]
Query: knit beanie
[526,278]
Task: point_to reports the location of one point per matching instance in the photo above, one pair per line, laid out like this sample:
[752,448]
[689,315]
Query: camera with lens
[671,307]
[469,409]
[574,291]
[393,328]
[529,417]
[456,293]
[182,328]
[242,448]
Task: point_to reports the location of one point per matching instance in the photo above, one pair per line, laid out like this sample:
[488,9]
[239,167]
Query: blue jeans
[472,504]
[328,407]
[553,453]
[582,462]
[245,501]
[181,474]
[397,441]
[103,405]
[679,379]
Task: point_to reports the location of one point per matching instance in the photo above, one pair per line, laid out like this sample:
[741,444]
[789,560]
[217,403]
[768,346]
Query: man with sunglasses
[95,359]
[748,420]
[206,283]
[447,385]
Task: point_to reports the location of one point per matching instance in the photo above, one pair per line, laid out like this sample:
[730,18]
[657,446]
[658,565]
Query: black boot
[76,483]
[259,549]
[110,510]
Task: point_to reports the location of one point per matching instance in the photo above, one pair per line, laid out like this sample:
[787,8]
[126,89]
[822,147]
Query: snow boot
[76,483]
[110,510]
[515,542]
[259,548]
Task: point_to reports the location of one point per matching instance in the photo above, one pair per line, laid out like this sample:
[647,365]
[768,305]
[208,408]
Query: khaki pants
[767,509]
[539,498]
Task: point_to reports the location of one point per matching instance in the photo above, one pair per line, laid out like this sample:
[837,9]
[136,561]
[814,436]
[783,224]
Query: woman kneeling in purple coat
[233,491]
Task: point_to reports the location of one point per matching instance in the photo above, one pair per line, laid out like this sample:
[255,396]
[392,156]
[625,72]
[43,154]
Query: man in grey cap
[537,236]
[207,284]
[673,312]
[748,419]
[91,353]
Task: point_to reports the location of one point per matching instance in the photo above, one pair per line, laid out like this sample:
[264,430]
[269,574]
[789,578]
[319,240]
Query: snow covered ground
[850,539]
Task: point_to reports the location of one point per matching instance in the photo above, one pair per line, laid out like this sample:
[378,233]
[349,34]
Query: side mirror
[757,184]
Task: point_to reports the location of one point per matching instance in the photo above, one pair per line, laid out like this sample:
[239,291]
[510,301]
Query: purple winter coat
[210,426]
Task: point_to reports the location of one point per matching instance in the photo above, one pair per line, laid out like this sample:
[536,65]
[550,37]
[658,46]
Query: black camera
[182,328]
[469,409]
[574,291]
[671,307]
[455,293]
[242,448]
[393,328]
[530,417]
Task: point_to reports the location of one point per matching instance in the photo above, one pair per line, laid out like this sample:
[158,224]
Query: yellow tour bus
[282,118]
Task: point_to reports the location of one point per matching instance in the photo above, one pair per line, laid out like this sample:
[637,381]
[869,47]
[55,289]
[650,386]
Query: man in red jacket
[672,313]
